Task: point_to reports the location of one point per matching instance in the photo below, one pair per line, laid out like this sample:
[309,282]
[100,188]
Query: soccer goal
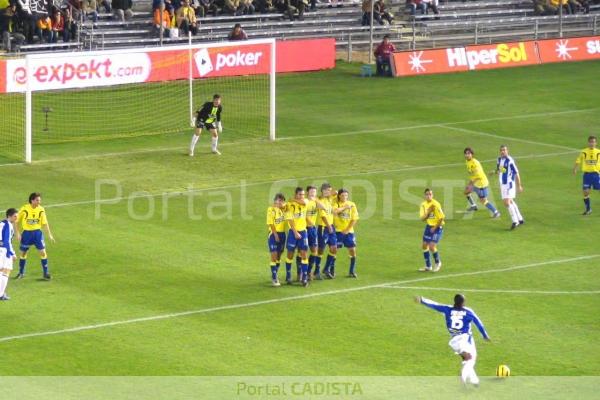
[87,97]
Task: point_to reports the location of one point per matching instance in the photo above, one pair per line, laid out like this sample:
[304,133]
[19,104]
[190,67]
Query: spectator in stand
[366,10]
[26,18]
[247,7]
[204,7]
[70,30]
[300,6]
[44,29]
[122,10]
[5,16]
[162,18]
[383,54]
[186,19]
[232,7]
[58,26]
[264,6]
[413,5]
[106,5]
[90,9]
[433,5]
[381,13]
[555,4]
[237,33]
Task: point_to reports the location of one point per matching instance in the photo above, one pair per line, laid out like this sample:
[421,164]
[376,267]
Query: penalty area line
[509,291]
[285,299]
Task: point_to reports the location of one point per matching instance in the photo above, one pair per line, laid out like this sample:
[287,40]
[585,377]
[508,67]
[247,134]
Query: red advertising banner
[78,70]
[454,59]
[571,49]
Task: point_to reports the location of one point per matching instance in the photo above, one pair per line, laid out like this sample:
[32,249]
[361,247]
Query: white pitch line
[286,299]
[305,178]
[335,134]
[511,291]
[480,133]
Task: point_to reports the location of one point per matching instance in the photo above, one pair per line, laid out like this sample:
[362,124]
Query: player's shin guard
[298,265]
[427,258]
[436,256]
[44,262]
[586,201]
[513,213]
[288,269]
[193,143]
[328,263]
[274,268]
[3,283]
[490,207]
[214,143]
[352,265]
[332,266]
[517,211]
[311,262]
[470,200]
[467,374]
[304,266]
[317,264]
[22,262]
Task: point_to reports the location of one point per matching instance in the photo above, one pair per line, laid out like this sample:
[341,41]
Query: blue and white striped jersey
[507,170]
[458,320]
[7,231]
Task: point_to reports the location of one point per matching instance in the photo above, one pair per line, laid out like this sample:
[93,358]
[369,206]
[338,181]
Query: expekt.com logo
[501,54]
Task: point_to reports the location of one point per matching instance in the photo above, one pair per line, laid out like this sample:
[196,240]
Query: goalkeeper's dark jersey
[209,113]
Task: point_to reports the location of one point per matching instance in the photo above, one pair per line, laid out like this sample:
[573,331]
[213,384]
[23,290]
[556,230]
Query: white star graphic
[563,51]
[416,64]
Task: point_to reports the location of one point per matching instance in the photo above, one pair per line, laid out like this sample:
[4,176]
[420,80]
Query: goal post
[98,95]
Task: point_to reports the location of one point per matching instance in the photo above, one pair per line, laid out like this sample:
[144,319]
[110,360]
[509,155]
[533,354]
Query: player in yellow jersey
[431,213]
[297,239]
[589,162]
[326,236]
[32,218]
[478,183]
[312,210]
[345,217]
[276,238]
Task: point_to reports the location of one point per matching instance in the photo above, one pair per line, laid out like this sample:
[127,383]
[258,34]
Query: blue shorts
[591,180]
[481,192]
[32,238]
[429,237]
[324,238]
[312,236]
[347,240]
[276,246]
[300,244]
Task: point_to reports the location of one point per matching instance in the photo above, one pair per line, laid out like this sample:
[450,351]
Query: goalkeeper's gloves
[219,127]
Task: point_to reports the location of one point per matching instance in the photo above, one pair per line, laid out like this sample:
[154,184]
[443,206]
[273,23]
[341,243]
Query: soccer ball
[503,371]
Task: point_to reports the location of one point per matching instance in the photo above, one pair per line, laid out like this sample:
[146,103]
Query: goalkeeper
[209,117]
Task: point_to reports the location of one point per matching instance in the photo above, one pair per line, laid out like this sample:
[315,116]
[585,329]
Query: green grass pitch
[386,139]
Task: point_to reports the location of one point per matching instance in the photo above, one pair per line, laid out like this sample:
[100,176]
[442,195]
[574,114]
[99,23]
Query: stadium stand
[458,22]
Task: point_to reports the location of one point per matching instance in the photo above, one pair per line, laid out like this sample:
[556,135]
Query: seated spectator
[413,5]
[432,4]
[58,26]
[162,19]
[204,7]
[122,10]
[232,7]
[237,33]
[300,7]
[264,6]
[90,9]
[383,53]
[554,5]
[381,13]
[106,5]
[186,19]
[247,7]
[366,10]
[44,29]
[6,15]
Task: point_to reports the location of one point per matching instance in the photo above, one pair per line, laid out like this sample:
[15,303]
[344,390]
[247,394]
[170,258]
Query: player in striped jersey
[276,238]
[7,252]
[458,322]
[589,161]
[510,182]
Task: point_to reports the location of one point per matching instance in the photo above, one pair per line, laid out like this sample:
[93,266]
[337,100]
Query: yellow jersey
[327,211]
[296,212]
[276,216]
[311,212]
[434,217]
[589,160]
[476,174]
[342,220]
[32,219]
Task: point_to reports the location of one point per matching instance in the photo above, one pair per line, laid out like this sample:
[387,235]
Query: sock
[352,264]
[194,141]
[427,258]
[328,263]
[44,262]
[22,262]
[311,262]
[473,375]
[273,271]
[513,214]
[304,266]
[517,211]
[3,283]
[467,373]
[317,265]
[436,257]
[332,266]
[491,207]
[298,265]
[470,200]
[464,372]
[586,201]
[215,141]
[288,269]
